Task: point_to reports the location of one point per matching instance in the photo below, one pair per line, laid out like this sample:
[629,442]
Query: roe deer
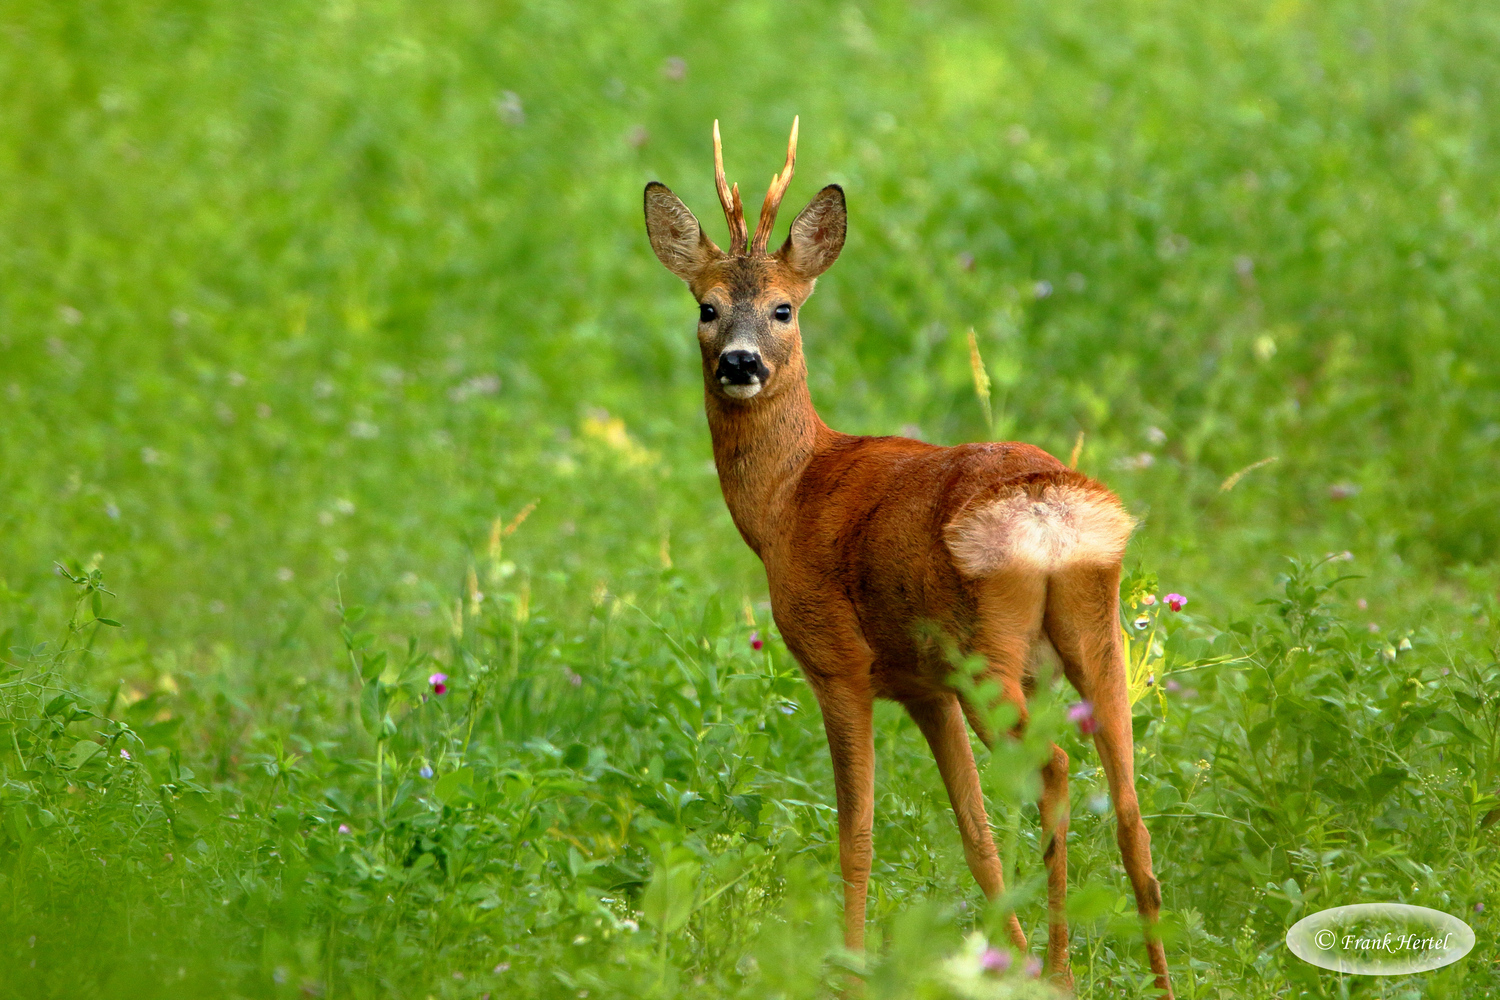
[868,542]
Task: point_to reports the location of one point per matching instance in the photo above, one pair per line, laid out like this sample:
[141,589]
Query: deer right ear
[817,234]
[678,240]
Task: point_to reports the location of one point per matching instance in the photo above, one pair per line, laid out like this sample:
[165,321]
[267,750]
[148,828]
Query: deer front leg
[848,718]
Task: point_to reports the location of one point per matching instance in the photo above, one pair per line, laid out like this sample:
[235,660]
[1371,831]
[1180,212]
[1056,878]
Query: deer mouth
[740,390]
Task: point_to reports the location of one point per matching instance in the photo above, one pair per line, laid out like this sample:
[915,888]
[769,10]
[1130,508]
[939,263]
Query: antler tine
[734,211]
[774,193]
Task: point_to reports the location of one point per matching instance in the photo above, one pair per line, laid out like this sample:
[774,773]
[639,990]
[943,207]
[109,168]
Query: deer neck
[761,448]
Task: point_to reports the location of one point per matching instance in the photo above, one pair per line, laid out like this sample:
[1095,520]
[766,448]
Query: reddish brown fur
[852,534]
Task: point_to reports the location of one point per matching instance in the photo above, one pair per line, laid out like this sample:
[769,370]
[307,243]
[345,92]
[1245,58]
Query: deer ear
[817,234]
[675,235]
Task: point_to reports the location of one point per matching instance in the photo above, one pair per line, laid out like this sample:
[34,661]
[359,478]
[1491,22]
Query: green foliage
[329,332]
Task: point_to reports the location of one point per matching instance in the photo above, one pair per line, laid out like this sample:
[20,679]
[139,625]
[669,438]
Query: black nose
[741,368]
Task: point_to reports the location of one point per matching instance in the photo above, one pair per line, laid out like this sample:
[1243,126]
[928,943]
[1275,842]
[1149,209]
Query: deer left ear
[676,237]
[817,234]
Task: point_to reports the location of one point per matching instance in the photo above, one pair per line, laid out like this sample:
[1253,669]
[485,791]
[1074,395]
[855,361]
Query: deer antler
[779,184]
[734,211]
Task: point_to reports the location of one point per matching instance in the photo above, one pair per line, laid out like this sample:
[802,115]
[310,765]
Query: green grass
[297,300]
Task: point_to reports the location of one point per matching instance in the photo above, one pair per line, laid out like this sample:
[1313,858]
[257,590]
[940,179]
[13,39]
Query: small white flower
[1144,460]
[479,385]
[510,109]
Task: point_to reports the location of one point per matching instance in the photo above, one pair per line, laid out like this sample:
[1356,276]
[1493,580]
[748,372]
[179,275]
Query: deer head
[748,299]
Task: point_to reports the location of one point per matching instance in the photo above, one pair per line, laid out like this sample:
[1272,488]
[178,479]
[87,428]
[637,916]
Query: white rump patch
[1061,526]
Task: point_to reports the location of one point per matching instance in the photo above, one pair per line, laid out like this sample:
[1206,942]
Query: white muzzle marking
[740,391]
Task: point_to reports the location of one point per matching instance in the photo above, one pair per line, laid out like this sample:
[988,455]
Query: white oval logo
[1380,939]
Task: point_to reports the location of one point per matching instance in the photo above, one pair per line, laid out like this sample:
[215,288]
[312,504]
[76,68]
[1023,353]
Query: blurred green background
[259,263]
[297,299]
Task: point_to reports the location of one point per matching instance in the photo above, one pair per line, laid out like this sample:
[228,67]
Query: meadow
[335,368]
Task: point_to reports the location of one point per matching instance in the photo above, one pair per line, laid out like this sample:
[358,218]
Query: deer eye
[707,313]
[783,313]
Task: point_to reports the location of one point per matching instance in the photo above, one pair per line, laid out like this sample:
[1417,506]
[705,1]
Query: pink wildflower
[1175,601]
[439,683]
[1082,715]
[343,828]
[994,960]
[755,642]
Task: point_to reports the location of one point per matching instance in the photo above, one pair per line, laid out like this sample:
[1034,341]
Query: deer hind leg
[1011,605]
[1082,620]
[1054,807]
[942,722]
